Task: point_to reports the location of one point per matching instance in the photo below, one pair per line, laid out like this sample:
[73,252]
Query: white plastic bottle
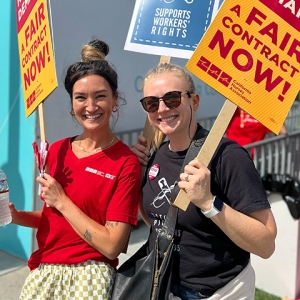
[5,215]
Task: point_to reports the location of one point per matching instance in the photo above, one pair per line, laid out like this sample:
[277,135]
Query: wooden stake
[42,121]
[165,59]
[210,145]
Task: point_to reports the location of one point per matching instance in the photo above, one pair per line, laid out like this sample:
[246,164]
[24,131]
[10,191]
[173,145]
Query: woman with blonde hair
[229,216]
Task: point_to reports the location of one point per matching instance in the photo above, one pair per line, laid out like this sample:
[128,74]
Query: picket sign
[37,69]
[232,66]
[249,54]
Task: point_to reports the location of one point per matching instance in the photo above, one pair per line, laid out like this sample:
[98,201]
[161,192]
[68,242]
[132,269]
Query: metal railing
[293,118]
[280,154]
[277,155]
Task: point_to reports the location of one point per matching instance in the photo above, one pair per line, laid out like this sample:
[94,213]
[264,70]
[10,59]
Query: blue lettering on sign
[178,24]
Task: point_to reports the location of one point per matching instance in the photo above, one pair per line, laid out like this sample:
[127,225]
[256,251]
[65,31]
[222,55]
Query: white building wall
[278,274]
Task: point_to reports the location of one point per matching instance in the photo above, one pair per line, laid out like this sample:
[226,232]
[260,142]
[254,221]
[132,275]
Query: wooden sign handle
[165,59]
[210,145]
[42,121]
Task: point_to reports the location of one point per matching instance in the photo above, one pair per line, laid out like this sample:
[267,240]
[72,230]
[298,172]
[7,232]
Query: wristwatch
[216,208]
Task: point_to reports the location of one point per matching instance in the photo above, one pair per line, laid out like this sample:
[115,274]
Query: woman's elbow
[268,251]
[269,247]
[112,252]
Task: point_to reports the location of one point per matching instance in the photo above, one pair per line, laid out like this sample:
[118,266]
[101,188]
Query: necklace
[96,149]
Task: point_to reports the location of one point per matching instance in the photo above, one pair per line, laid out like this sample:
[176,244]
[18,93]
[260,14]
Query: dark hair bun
[100,46]
[94,50]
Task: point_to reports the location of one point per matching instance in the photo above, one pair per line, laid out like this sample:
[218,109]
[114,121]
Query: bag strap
[166,234]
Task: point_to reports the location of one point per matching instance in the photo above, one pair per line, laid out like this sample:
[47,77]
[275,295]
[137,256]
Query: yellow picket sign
[251,55]
[35,51]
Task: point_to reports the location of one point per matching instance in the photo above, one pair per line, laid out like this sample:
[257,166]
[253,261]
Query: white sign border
[158,50]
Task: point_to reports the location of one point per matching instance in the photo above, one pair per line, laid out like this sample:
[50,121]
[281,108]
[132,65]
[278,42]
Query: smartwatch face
[218,204]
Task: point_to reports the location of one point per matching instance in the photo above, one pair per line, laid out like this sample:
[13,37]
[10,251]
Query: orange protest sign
[35,51]
[251,55]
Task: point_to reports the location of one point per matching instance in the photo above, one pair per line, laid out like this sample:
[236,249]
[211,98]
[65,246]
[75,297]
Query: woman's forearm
[27,218]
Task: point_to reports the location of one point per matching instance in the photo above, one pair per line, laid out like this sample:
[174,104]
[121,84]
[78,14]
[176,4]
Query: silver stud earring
[115,108]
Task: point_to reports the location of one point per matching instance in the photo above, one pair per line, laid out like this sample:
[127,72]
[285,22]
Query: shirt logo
[100,173]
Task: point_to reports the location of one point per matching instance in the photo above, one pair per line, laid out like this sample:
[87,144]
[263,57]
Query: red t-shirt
[244,129]
[105,186]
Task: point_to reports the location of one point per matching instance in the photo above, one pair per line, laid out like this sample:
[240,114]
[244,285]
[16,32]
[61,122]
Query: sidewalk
[13,270]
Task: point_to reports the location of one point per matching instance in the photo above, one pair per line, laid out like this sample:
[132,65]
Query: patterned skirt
[88,280]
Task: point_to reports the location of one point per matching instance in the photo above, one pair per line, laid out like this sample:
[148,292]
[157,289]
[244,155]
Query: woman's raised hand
[141,151]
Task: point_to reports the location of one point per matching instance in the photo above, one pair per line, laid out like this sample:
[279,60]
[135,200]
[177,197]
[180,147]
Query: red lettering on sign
[271,30]
[219,39]
[31,29]
[288,10]
[24,9]
[260,74]
[36,66]
[249,60]
[30,100]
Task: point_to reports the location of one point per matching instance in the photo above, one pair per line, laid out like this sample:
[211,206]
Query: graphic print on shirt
[164,194]
[163,198]
[100,173]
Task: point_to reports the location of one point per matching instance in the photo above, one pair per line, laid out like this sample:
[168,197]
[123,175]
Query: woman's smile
[168,119]
[92,117]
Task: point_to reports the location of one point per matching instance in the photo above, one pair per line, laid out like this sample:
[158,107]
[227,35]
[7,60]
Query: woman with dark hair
[90,189]
[229,216]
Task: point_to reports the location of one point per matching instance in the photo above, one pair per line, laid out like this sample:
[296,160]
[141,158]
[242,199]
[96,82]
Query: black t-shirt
[205,259]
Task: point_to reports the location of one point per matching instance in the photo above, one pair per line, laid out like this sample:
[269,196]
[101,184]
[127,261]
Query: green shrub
[261,295]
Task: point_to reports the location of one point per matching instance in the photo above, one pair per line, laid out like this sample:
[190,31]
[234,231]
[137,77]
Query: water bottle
[5,215]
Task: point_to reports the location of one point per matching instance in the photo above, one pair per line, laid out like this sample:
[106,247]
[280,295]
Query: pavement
[13,270]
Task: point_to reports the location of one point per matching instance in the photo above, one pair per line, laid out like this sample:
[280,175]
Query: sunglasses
[171,100]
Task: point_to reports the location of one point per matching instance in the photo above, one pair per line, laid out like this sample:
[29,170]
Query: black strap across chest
[166,234]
